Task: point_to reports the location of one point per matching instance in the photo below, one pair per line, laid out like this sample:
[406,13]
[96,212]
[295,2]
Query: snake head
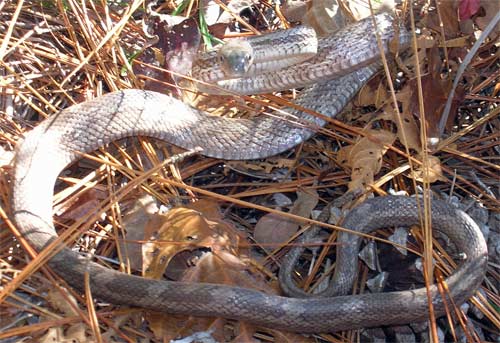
[236,57]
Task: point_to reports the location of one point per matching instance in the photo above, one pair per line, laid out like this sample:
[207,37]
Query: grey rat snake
[348,57]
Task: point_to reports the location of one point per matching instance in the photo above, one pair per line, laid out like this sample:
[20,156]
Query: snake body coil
[83,128]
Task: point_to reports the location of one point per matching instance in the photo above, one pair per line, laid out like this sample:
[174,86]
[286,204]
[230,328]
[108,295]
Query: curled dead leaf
[407,128]
[365,157]
[65,304]
[74,334]
[134,222]
[176,48]
[273,230]
[432,173]
[372,95]
[271,168]
[183,229]
[82,204]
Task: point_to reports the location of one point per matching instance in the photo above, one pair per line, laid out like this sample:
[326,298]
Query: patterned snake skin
[60,139]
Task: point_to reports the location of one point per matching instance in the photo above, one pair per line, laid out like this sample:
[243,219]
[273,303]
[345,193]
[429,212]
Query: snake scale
[60,139]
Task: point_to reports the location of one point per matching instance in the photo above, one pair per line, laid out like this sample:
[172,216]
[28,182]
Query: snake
[343,62]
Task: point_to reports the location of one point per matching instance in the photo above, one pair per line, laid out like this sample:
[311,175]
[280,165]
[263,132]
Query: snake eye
[221,59]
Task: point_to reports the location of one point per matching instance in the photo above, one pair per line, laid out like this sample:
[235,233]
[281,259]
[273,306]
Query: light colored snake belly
[60,139]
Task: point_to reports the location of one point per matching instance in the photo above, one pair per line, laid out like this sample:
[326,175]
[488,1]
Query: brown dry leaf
[60,303]
[74,334]
[183,229]
[409,132]
[365,157]
[371,146]
[372,94]
[407,125]
[210,209]
[491,8]
[223,267]
[82,205]
[130,319]
[424,41]
[362,173]
[434,172]
[307,199]
[266,166]
[170,327]
[435,92]
[449,17]
[175,49]
[343,156]
[180,45]
[134,223]
[272,230]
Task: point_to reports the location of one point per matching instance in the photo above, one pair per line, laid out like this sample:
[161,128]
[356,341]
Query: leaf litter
[214,240]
